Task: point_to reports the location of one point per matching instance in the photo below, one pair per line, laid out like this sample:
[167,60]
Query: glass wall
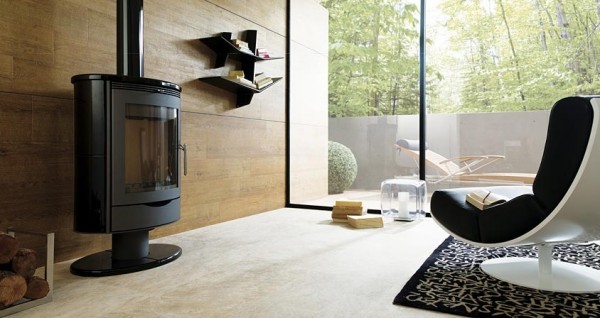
[500,67]
[493,71]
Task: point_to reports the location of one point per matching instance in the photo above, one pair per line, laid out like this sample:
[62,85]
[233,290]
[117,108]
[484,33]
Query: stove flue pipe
[130,38]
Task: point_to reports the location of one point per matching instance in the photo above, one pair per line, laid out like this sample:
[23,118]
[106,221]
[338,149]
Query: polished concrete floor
[282,263]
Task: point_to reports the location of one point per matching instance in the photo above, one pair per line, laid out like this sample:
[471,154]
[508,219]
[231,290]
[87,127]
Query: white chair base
[562,277]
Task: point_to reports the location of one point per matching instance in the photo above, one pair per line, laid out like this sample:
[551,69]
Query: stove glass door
[150,148]
[145,145]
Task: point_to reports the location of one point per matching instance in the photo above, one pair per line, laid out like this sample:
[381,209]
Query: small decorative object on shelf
[22,284]
[241,82]
[261,52]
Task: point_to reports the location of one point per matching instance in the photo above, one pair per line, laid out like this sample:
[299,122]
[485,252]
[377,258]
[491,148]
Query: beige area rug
[282,263]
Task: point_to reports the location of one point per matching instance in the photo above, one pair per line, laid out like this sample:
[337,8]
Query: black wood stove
[127,146]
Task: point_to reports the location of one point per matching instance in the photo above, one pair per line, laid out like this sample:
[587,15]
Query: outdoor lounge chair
[463,168]
[560,207]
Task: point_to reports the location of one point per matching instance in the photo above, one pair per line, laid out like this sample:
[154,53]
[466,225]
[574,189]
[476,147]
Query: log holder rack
[25,304]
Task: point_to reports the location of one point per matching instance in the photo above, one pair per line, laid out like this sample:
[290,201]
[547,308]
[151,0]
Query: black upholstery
[569,129]
[568,134]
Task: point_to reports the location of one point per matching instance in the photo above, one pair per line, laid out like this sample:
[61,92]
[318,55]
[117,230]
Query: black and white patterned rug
[451,281]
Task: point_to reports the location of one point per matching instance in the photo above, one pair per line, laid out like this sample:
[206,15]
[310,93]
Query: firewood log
[37,288]
[8,248]
[12,288]
[6,267]
[25,262]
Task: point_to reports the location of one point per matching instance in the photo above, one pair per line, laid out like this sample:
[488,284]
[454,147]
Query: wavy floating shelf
[223,47]
[244,92]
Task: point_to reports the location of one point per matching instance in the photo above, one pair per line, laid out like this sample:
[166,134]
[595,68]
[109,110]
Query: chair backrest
[575,217]
[569,130]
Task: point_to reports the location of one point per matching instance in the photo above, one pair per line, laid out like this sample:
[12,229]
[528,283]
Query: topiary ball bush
[342,168]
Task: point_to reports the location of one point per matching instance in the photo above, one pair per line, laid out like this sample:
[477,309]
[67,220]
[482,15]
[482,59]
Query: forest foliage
[482,55]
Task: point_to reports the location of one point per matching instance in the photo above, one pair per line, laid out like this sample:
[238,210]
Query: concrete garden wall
[520,136]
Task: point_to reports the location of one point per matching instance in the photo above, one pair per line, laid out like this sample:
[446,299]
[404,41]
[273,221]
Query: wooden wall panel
[174,53]
[15,118]
[6,66]
[36,162]
[236,155]
[266,13]
[232,170]
[50,41]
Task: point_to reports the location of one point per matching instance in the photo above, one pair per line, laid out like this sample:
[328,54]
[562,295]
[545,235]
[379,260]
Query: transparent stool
[403,199]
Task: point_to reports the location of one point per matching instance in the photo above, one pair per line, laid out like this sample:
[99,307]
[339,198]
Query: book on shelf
[483,199]
[260,76]
[239,43]
[242,46]
[261,80]
[236,73]
[238,76]
[264,83]
[242,81]
[245,50]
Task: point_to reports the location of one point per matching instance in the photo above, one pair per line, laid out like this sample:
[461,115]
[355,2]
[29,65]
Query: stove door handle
[184,148]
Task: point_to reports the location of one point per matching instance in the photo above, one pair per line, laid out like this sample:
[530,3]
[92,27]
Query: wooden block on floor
[348,203]
[365,221]
[347,210]
[339,218]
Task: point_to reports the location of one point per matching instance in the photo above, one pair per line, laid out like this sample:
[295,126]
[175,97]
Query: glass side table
[403,199]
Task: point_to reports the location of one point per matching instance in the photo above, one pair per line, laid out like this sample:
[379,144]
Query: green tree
[373,57]
[522,54]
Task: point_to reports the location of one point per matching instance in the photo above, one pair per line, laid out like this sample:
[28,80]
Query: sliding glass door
[343,135]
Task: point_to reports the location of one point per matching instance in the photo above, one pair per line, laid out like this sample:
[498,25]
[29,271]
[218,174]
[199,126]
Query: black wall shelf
[224,48]
[244,92]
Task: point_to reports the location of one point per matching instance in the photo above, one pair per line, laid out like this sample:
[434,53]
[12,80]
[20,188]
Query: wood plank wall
[236,155]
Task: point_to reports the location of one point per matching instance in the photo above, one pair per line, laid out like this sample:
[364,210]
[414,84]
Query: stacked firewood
[17,273]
